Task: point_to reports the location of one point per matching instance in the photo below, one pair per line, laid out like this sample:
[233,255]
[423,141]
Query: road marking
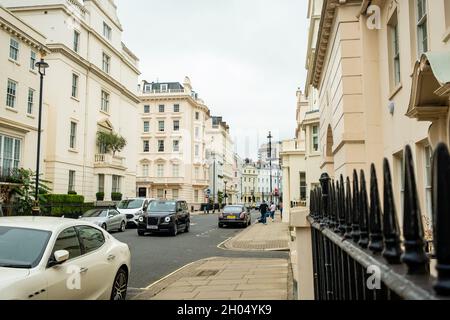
[169,275]
[222,243]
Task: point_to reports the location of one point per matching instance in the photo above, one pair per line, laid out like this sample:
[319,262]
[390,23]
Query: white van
[133,208]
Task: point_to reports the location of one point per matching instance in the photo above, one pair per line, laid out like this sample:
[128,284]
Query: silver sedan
[108,219]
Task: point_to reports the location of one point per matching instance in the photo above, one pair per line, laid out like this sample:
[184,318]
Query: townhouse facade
[172,143]
[90,87]
[22,46]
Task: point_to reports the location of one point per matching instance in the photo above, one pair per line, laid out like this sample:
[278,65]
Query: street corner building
[90,88]
[378,79]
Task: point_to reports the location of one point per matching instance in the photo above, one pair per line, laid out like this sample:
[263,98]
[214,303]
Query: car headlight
[167,219]
[141,219]
[138,213]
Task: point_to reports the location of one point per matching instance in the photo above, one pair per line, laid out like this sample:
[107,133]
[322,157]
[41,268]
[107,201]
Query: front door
[142,192]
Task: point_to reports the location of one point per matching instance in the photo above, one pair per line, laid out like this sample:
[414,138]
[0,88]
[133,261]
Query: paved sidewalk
[273,236]
[225,279]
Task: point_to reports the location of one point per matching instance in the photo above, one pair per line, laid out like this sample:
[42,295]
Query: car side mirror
[59,257]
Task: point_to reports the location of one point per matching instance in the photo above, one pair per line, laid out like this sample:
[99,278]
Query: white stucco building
[172,141]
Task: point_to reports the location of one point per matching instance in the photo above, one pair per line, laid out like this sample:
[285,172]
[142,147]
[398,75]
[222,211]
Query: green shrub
[116,196]
[73,193]
[68,205]
[100,196]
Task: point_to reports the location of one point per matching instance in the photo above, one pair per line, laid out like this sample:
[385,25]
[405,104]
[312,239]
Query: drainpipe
[86,117]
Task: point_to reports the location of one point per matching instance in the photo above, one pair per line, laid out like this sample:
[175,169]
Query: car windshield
[22,248]
[96,213]
[234,209]
[162,206]
[130,204]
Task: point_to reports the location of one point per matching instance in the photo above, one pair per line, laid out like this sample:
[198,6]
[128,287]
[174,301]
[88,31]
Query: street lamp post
[225,195]
[42,66]
[270,163]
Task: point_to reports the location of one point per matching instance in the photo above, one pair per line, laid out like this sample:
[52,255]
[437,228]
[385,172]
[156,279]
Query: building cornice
[168,97]
[99,6]
[17,125]
[64,50]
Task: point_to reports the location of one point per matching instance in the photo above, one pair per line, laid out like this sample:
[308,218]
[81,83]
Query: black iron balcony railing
[10,175]
[359,251]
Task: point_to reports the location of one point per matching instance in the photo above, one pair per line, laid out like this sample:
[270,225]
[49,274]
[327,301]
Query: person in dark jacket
[263,209]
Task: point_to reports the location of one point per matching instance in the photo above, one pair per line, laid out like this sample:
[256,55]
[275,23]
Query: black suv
[165,216]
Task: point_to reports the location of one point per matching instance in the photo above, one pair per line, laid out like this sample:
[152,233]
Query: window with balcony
[10,152]
[106,64]
[145,170]
[71,181]
[146,109]
[11,93]
[176,145]
[164,88]
[160,170]
[303,186]
[315,138]
[73,135]
[14,49]
[75,80]
[107,31]
[196,173]
[146,146]
[161,126]
[30,105]
[76,41]
[176,108]
[146,126]
[197,116]
[105,101]
[422,26]
[176,125]
[101,183]
[197,150]
[161,108]
[176,170]
[196,196]
[161,146]
[197,133]
[116,184]
[32,60]
[175,194]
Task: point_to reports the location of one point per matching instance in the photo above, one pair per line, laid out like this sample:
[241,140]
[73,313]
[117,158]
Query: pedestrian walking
[273,209]
[263,209]
[281,209]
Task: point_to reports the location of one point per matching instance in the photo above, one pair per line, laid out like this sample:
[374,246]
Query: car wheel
[174,231]
[104,227]
[120,285]
[122,226]
[188,227]
[141,233]
[221,225]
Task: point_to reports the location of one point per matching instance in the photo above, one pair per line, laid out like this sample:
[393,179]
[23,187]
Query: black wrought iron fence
[359,250]
[10,175]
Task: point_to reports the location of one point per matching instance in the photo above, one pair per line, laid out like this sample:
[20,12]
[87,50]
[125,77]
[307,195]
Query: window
[176,125]
[146,126]
[160,170]
[176,145]
[197,116]
[9,153]
[76,41]
[315,138]
[11,93]
[145,171]
[197,132]
[175,193]
[71,180]
[161,108]
[400,176]
[197,150]
[101,183]
[75,79]
[161,126]
[106,63]
[160,193]
[107,31]
[394,50]
[32,60]
[105,101]
[422,29]
[146,109]
[428,152]
[176,170]
[68,240]
[146,146]
[303,186]
[196,173]
[14,49]
[91,238]
[160,145]
[30,101]
[73,135]
[116,184]
[176,108]
[164,88]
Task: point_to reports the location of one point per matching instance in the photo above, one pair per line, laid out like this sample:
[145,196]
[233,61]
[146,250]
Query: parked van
[133,208]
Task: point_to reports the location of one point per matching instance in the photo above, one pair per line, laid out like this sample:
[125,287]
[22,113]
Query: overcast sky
[245,58]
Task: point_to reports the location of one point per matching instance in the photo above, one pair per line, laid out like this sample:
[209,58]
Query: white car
[60,259]
[133,209]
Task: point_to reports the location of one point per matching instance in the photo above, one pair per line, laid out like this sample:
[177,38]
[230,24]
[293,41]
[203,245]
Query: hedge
[70,206]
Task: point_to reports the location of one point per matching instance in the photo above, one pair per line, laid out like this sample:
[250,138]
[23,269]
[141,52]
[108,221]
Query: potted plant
[72,193]
[112,142]
[116,196]
[100,196]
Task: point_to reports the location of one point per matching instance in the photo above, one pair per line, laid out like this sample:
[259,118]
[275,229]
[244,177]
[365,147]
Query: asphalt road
[155,256]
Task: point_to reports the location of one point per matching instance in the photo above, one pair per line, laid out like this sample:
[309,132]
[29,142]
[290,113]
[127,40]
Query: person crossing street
[263,209]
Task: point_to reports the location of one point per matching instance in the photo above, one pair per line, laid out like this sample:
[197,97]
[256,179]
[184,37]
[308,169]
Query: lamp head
[42,66]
